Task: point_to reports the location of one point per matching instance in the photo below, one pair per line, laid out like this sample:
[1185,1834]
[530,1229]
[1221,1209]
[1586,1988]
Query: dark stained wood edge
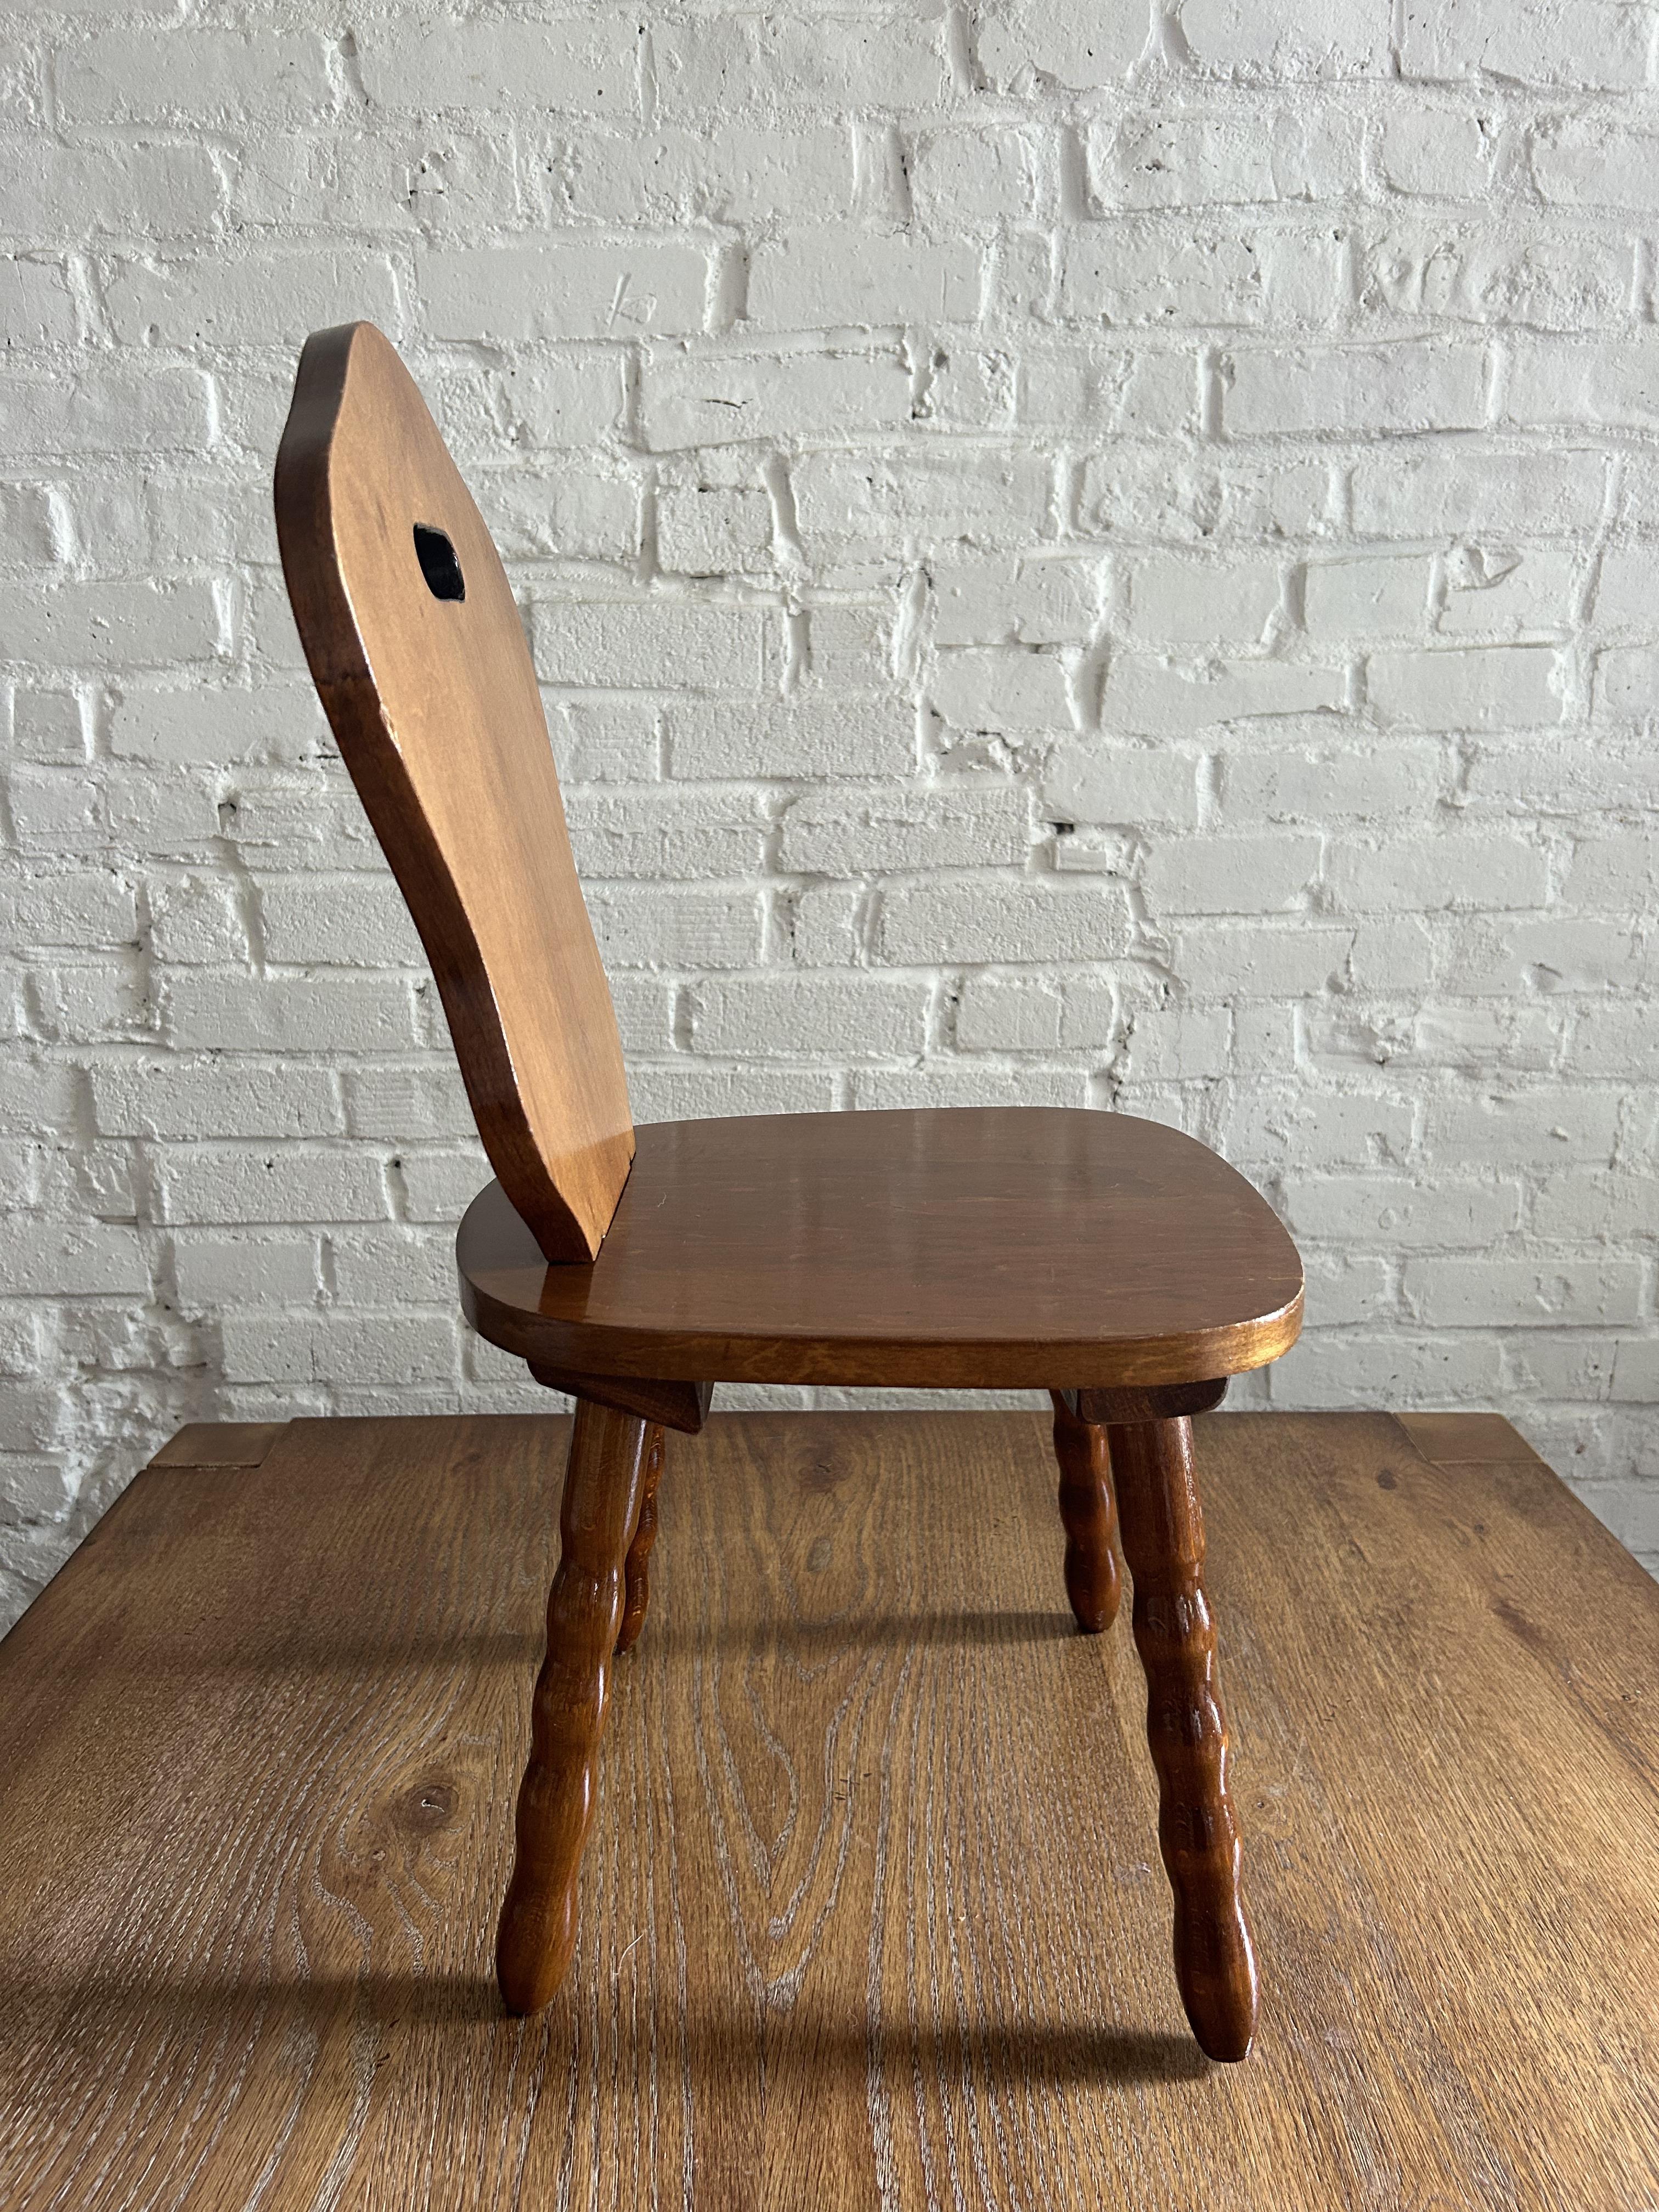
[941,1364]
[220,1443]
[1174,1402]
[1465,1439]
[340,669]
[682,1405]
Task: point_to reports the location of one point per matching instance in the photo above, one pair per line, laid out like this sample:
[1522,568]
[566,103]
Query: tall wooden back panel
[419,655]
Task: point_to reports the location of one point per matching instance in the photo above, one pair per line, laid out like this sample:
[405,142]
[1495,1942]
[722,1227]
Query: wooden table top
[872,1911]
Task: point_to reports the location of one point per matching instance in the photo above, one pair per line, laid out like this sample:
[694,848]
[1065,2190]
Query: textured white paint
[1082,551]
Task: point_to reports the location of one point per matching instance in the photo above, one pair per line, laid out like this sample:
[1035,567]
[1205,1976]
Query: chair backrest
[416,648]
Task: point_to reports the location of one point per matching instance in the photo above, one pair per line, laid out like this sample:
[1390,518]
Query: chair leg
[638,1596]
[603,1484]
[1163,1544]
[1088,1516]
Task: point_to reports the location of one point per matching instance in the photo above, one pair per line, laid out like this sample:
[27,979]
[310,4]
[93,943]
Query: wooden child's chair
[1114,1263]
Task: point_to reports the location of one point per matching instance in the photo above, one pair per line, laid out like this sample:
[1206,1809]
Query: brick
[694,1093]
[1276,39]
[700,396]
[992,599]
[854,277]
[259,297]
[329,1013]
[968,1082]
[144,625]
[1317,783]
[1400,1213]
[214,1272]
[1340,1370]
[147,76]
[1579,163]
[566,289]
[1072,43]
[653,643]
[656,928]
[1289,960]
[1000,689]
[1615,382]
[1626,683]
[1441,154]
[1597,46]
[81,906]
[1524,1129]
[231,1183]
[729,171]
[1551,281]
[961,822]
[1184,601]
[1510,595]
[808,1016]
[871,738]
[1009,1013]
[1155,699]
[180,1098]
[1383,595]
[713,530]
[997,921]
[1092,779]
[1440,491]
[396,1348]
[75,1258]
[1463,1293]
[1176,1044]
[534,68]
[1480,688]
[1229,875]
[1377,390]
[958,177]
[1430,872]
[36,308]
[1121,275]
[670,834]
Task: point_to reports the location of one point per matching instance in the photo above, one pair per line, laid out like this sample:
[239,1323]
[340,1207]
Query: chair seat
[1005,1247]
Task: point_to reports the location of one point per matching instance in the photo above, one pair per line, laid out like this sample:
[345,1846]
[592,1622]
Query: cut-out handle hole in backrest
[439,566]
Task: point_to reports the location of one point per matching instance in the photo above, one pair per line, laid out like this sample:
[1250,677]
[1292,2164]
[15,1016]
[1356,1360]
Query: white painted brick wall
[1100,554]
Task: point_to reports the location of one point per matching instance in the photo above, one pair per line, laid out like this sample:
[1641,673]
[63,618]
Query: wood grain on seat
[997,1247]
[409,626]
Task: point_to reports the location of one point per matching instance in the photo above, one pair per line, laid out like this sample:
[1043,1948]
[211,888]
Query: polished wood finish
[682,1405]
[1082,1252]
[1197,1828]
[636,1595]
[865,1918]
[997,1247]
[1088,1515]
[603,1484]
[435,705]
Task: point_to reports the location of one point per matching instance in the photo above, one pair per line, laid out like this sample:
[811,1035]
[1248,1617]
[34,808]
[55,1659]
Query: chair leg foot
[637,1574]
[1088,1516]
[1164,1544]
[602,1489]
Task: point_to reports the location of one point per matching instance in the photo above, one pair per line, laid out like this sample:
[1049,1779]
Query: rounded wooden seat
[1006,1247]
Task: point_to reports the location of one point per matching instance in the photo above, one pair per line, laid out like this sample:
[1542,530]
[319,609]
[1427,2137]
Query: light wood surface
[871,1913]
[997,1247]
[434,703]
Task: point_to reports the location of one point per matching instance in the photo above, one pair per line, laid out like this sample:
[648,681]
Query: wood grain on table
[870,1914]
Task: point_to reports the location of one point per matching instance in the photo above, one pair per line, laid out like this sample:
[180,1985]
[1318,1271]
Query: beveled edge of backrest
[340,664]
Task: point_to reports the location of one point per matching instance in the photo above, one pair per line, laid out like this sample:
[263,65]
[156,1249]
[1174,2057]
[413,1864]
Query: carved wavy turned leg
[1088,1516]
[602,1487]
[638,1596]
[1163,1543]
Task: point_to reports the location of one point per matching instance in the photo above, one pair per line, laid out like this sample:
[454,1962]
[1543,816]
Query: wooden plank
[871,1909]
[220,1443]
[1465,1439]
